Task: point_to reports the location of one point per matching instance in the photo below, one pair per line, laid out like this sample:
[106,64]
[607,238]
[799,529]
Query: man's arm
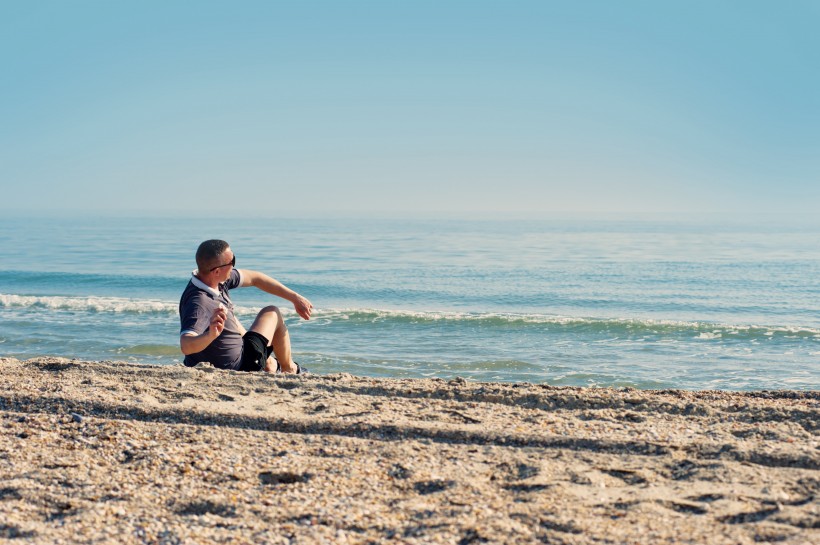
[191,343]
[267,284]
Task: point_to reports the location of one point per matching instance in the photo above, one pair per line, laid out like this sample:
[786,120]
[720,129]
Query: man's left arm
[270,285]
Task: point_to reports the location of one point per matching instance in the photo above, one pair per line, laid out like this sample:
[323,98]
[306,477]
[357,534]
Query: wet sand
[107,452]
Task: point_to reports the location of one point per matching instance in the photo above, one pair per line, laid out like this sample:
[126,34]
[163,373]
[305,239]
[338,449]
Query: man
[209,329]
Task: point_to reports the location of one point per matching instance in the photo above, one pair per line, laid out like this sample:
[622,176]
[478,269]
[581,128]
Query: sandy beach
[108,452]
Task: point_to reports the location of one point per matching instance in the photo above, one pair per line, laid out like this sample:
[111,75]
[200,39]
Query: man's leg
[269,322]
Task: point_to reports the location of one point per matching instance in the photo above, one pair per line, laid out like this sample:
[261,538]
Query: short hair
[208,252]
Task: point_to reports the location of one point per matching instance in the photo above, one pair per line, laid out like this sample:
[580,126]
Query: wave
[87,304]
[616,327]
[630,327]
[100,304]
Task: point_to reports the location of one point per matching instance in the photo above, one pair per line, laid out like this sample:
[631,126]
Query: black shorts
[255,352]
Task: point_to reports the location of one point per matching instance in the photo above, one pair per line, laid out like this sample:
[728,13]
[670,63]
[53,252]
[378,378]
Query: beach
[588,303]
[112,452]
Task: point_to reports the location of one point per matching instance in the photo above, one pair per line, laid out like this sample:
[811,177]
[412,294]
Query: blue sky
[406,107]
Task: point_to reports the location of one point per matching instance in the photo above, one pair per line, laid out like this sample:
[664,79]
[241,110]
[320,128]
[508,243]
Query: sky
[471,108]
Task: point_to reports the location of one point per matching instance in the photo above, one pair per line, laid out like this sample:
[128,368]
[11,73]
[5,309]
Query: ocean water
[648,304]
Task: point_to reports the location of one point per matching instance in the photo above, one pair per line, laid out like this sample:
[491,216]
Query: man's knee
[268,323]
[271,313]
[271,310]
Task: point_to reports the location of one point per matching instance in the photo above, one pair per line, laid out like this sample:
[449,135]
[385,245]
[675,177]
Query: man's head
[213,254]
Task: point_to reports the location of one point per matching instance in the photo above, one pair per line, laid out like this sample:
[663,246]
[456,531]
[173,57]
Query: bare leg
[269,322]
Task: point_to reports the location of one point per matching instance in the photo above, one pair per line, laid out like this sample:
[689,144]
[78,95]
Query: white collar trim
[201,285]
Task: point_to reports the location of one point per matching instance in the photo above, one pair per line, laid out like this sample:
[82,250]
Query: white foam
[87,304]
[705,329]
[626,326]
[93,303]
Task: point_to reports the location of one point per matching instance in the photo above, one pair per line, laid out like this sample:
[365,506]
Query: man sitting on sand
[209,329]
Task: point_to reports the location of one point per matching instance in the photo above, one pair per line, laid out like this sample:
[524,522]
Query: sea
[685,303]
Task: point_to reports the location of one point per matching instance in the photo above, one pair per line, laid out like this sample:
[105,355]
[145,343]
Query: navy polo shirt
[196,308]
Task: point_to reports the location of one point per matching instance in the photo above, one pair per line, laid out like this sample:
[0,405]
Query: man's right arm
[191,343]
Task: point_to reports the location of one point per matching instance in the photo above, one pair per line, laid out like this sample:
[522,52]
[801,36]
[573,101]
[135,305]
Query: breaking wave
[87,304]
[621,327]
[616,327]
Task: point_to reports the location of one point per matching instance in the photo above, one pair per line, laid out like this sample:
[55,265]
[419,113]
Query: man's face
[221,269]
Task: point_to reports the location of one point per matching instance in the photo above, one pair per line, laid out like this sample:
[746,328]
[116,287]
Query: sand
[108,452]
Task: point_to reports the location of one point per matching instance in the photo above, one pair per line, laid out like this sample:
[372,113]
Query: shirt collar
[201,285]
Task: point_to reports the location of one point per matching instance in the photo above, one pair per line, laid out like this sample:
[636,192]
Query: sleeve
[195,317]
[234,281]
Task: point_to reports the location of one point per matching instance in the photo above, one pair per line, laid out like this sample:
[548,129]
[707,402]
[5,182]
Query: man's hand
[303,307]
[218,321]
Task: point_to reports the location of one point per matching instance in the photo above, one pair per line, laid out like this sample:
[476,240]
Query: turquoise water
[650,304]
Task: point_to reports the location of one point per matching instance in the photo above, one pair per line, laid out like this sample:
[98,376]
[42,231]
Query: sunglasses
[232,264]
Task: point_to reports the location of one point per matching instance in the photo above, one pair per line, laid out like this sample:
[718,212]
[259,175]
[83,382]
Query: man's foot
[299,370]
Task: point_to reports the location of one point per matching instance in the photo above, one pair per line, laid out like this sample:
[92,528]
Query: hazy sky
[306,107]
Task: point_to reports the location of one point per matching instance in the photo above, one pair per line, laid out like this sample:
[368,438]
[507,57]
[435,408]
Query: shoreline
[139,453]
